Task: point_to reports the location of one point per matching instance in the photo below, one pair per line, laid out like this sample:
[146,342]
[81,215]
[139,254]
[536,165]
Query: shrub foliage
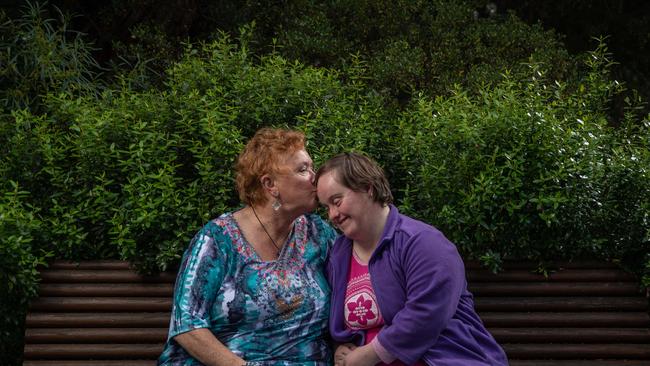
[524,170]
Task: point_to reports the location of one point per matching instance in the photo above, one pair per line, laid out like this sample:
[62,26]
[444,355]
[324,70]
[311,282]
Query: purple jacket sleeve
[435,279]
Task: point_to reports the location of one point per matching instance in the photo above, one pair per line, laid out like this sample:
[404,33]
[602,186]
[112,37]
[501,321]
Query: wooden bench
[103,313]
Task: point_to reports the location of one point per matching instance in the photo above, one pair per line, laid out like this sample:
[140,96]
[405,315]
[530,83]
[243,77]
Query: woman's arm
[199,280]
[205,347]
[435,280]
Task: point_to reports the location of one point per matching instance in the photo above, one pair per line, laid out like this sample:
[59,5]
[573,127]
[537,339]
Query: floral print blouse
[270,313]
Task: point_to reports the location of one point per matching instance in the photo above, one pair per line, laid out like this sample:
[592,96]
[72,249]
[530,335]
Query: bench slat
[478,289]
[107,289]
[96,335]
[512,363]
[560,304]
[101,304]
[89,363]
[571,275]
[93,351]
[554,289]
[107,276]
[100,264]
[478,275]
[571,335]
[90,320]
[577,351]
[566,319]
[579,363]
[512,264]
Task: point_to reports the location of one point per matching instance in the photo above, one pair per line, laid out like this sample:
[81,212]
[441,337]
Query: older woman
[399,294]
[250,289]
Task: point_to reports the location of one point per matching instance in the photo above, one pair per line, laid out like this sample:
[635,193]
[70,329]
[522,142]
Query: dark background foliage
[625,23]
[322,33]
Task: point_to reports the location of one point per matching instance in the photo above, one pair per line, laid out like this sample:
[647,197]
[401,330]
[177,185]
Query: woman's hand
[204,346]
[359,356]
[341,352]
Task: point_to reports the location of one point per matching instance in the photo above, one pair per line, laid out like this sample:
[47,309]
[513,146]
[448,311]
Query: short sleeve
[198,281]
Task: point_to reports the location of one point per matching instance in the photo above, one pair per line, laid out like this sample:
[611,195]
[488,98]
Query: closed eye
[305,169]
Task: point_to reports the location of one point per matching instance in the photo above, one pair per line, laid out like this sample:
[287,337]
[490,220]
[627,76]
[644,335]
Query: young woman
[399,294]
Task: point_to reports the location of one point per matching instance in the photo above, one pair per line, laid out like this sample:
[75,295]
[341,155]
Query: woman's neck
[366,243]
[277,224]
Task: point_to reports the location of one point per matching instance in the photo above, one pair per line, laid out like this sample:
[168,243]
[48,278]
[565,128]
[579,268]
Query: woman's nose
[312,176]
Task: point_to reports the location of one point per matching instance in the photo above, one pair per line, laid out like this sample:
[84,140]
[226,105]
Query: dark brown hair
[358,173]
[263,154]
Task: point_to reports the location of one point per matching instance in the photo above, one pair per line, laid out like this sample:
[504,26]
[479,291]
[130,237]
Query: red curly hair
[263,154]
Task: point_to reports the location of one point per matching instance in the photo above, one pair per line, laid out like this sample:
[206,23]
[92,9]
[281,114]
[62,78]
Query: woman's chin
[312,207]
[309,207]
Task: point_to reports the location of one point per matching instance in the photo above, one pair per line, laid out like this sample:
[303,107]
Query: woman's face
[295,183]
[347,209]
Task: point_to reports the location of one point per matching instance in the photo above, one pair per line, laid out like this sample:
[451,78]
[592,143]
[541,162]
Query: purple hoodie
[419,280]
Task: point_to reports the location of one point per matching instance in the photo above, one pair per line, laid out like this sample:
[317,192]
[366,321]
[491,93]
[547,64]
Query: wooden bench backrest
[104,313]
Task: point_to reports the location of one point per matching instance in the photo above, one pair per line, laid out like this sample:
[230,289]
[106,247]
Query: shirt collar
[389,228]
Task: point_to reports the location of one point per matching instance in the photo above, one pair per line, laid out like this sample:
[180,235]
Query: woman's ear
[268,183]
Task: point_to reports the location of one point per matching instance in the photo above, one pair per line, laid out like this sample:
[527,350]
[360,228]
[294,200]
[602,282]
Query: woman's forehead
[297,157]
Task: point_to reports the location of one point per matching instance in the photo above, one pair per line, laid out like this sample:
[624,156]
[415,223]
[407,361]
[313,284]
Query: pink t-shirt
[361,309]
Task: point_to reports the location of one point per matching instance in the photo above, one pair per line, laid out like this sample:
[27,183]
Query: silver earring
[276,205]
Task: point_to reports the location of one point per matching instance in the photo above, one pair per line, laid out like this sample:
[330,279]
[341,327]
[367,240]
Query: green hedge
[20,231]
[531,170]
[523,169]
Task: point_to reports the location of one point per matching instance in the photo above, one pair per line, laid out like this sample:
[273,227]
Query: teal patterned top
[271,312]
